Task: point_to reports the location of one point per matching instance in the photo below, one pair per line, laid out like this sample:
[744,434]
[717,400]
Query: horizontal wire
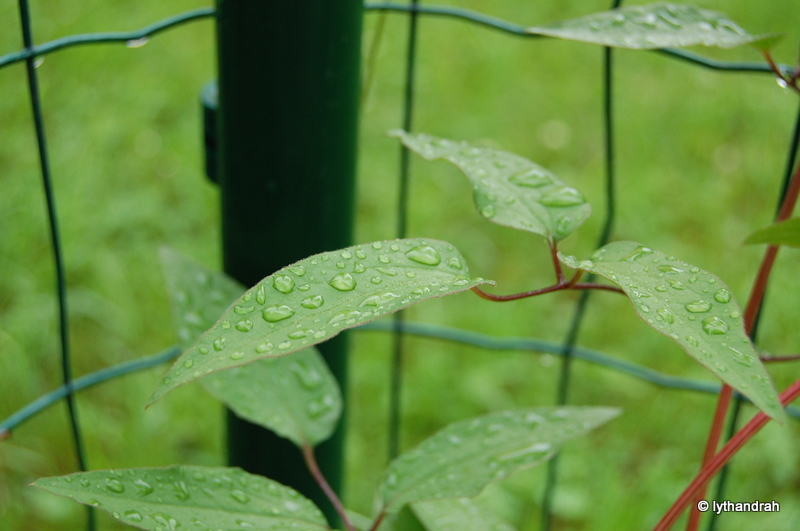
[99,38]
[451,12]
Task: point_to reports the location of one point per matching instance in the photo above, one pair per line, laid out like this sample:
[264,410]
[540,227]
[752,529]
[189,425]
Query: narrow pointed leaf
[460,460]
[190,497]
[457,514]
[295,396]
[318,297]
[509,190]
[691,306]
[654,26]
[784,233]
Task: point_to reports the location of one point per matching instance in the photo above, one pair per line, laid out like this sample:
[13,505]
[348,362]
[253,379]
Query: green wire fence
[221,132]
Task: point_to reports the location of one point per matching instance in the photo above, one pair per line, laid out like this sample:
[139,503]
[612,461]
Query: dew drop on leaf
[714,326]
[722,296]
[424,254]
[114,485]
[283,283]
[312,303]
[698,306]
[273,314]
[245,325]
[343,282]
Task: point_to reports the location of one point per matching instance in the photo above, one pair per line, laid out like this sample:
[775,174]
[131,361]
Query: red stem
[774,359]
[719,460]
[556,262]
[311,463]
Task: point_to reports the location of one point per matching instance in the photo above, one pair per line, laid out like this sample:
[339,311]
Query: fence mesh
[595,136]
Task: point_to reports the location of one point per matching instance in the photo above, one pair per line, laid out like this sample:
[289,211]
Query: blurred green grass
[700,155]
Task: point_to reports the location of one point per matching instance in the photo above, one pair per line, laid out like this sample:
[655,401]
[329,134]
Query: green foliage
[188,497]
[655,26]
[509,190]
[457,514]
[783,233]
[691,306]
[318,297]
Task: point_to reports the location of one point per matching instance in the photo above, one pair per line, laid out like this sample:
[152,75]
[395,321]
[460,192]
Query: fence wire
[568,350]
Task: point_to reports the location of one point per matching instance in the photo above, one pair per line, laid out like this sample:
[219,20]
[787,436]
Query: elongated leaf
[457,514]
[694,308]
[509,190]
[785,233]
[190,497]
[654,26]
[295,396]
[318,297]
[464,457]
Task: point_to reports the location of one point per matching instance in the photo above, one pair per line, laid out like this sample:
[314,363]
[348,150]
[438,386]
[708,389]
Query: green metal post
[289,81]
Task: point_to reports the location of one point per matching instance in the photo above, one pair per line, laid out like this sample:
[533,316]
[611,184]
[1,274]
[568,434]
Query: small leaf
[691,306]
[509,190]
[318,297]
[655,26]
[457,514]
[190,497]
[784,233]
[296,396]
[464,457]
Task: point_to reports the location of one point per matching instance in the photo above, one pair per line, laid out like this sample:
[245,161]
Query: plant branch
[790,81]
[563,285]
[719,460]
[556,262]
[313,467]
[773,359]
[378,521]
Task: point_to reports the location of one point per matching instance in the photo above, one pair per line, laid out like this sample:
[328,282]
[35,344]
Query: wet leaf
[784,233]
[190,497]
[464,457]
[457,514]
[318,297]
[691,306]
[509,190]
[654,26]
[295,396]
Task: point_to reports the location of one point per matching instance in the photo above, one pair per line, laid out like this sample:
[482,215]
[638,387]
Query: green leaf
[691,306]
[296,396]
[509,190]
[464,457]
[654,26]
[318,297]
[190,497]
[457,514]
[784,233]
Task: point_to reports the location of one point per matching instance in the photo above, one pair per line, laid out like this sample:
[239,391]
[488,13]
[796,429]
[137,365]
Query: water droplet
[114,485]
[245,325]
[319,407]
[455,263]
[284,345]
[714,326]
[722,296]
[360,254]
[376,280]
[669,269]
[343,282]
[698,306]
[341,265]
[273,314]
[637,253]
[384,258]
[240,496]
[741,358]
[312,303]
[386,271]
[379,300]
[219,344]
[662,288]
[243,310]
[188,364]
[377,245]
[721,367]
[692,341]
[283,283]
[359,267]
[735,314]
[298,270]
[143,488]
[137,43]
[666,315]
[133,516]
[237,355]
[563,197]
[531,178]
[645,308]
[261,295]
[226,324]
[676,284]
[300,334]
[488,211]
[308,376]
[424,254]
[181,490]
[345,317]
[264,347]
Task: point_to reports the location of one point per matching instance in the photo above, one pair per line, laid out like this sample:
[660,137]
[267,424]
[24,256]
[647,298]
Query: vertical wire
[791,159]
[395,392]
[61,284]
[570,340]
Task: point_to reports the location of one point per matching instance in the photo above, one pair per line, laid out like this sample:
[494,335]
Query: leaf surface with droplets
[318,297]
[654,26]
[295,396]
[190,497]
[461,459]
[457,514]
[691,306]
[509,190]
[783,233]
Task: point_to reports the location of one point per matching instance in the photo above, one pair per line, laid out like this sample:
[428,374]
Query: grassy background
[700,156]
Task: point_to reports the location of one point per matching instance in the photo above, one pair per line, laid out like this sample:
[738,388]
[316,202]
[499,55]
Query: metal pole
[287,124]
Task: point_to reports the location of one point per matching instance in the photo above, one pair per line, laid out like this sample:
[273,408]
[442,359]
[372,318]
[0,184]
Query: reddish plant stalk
[774,359]
[750,313]
[313,467]
[719,460]
[549,289]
